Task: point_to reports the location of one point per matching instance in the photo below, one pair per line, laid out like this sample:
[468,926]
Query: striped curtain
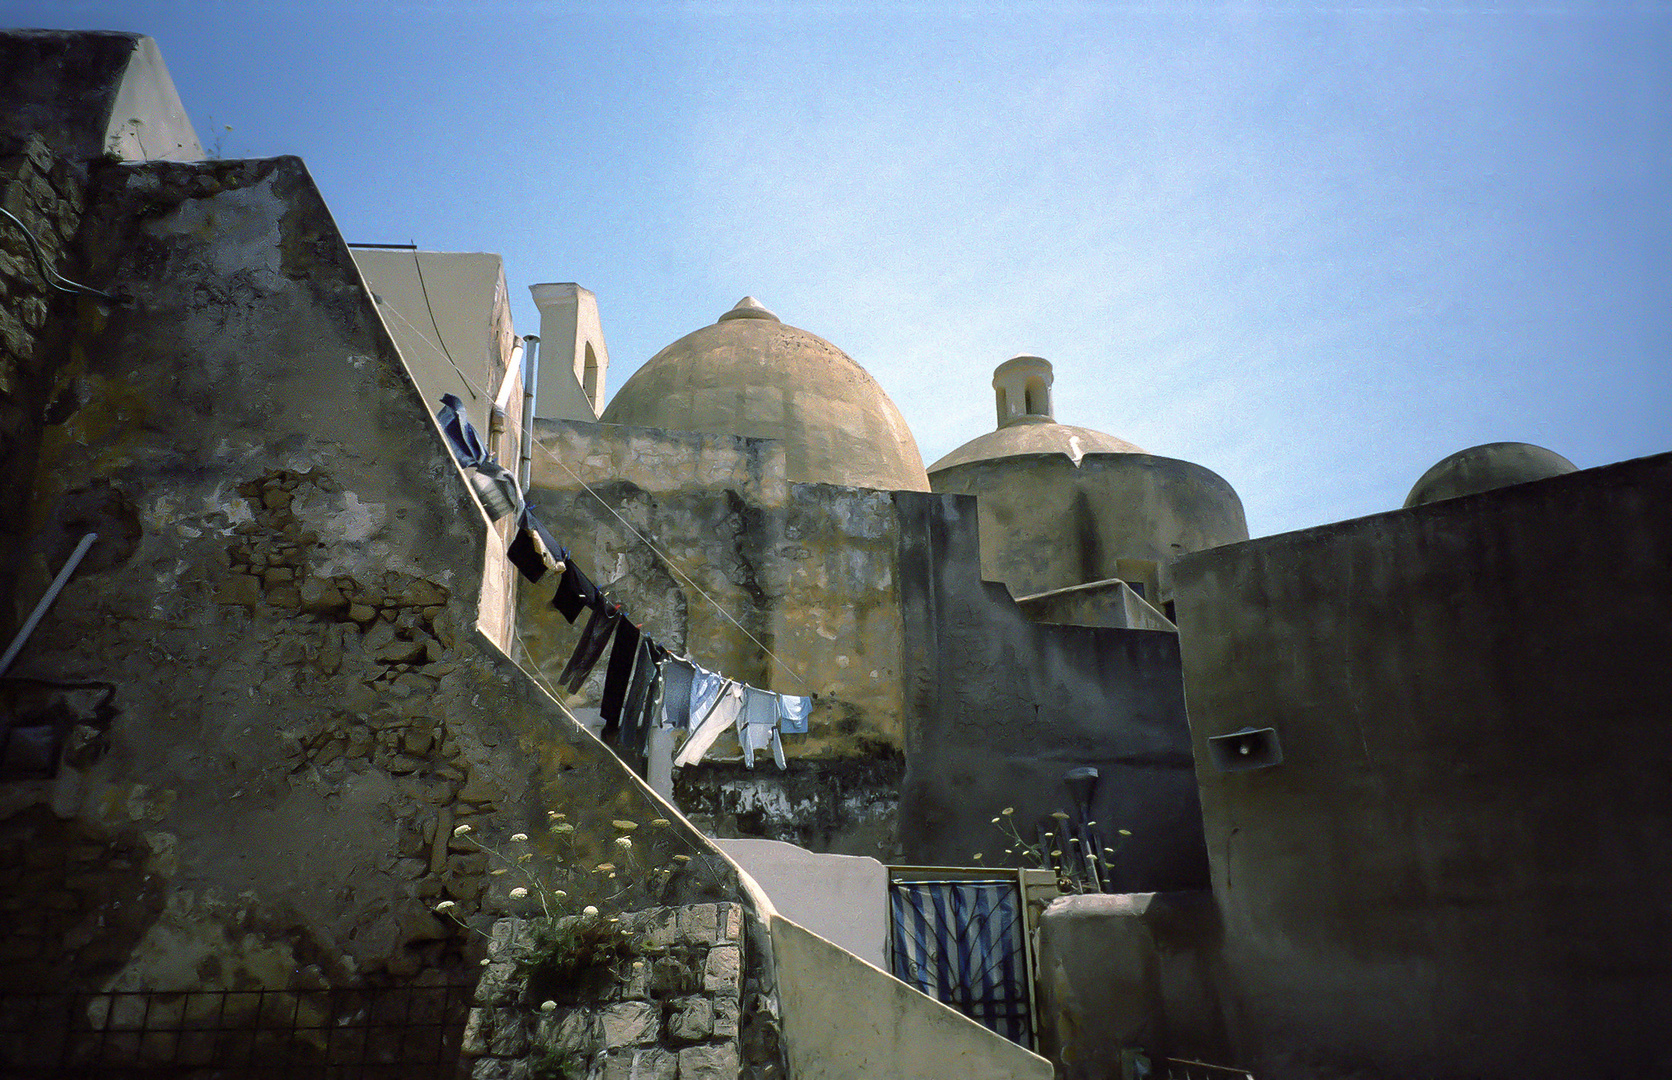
[960,942]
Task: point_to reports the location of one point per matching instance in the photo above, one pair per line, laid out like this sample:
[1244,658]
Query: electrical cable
[668,560]
[418,265]
[47,273]
[391,309]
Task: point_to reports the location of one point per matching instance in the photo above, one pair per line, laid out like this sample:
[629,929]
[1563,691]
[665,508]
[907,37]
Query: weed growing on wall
[1076,854]
[578,939]
[574,958]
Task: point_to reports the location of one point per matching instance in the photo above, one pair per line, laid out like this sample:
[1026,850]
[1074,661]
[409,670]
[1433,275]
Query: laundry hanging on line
[645,685]
[493,483]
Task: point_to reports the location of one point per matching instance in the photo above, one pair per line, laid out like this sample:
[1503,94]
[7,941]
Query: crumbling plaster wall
[1002,707]
[1461,866]
[282,603]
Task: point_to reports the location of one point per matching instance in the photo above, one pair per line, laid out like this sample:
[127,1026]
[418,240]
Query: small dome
[1035,438]
[1027,421]
[749,374]
[1486,467]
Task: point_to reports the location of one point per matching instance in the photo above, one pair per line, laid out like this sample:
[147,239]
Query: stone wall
[805,570]
[47,194]
[927,681]
[92,93]
[664,1001]
[1459,866]
[276,708]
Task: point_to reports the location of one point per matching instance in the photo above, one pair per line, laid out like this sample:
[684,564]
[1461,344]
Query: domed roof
[1485,467]
[749,374]
[1027,422]
[1046,437]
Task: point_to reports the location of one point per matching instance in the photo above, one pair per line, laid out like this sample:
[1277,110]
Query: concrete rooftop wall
[1463,865]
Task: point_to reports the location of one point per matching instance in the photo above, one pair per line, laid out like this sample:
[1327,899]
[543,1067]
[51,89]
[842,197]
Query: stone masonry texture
[664,1006]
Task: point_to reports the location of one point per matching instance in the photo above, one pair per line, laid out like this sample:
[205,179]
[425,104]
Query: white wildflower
[623,843]
[462,829]
[589,910]
[518,893]
[548,1006]
[519,838]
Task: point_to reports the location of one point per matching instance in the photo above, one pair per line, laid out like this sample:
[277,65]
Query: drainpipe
[531,380]
[46,601]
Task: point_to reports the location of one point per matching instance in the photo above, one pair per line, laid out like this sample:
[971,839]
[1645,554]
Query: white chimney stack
[573,360]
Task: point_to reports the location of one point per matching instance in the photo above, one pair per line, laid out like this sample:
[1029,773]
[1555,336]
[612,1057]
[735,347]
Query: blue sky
[1314,247]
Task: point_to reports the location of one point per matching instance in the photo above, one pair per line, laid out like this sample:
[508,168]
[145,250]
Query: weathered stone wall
[1460,866]
[91,93]
[807,571]
[667,1003]
[46,193]
[876,599]
[279,709]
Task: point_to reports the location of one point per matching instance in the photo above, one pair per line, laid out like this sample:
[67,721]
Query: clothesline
[637,677]
[666,559]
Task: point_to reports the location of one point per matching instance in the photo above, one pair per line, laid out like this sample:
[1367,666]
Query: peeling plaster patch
[238,230]
[344,523]
[770,799]
[168,581]
[357,522]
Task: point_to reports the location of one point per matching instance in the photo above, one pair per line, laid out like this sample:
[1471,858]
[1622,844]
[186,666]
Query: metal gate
[964,942]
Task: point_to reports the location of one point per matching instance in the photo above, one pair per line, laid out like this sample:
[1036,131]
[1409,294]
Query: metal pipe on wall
[531,380]
[46,601]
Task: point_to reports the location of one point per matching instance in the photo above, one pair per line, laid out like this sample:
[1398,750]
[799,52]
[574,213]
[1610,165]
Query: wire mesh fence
[410,1032]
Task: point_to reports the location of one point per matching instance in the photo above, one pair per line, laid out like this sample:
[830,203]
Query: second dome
[749,374]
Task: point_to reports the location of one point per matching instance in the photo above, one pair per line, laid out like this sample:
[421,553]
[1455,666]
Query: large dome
[1485,468]
[749,374]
